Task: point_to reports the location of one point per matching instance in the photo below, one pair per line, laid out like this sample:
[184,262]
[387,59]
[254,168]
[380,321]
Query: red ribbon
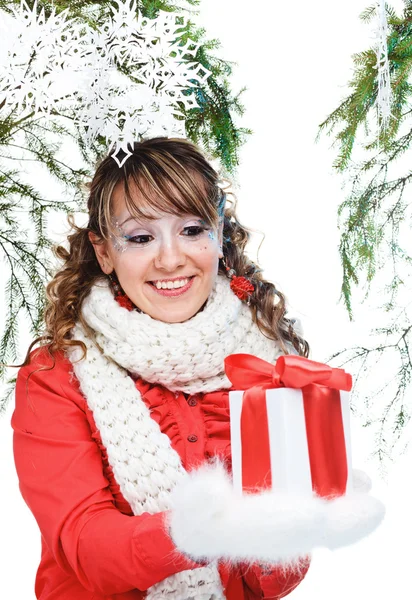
[320,385]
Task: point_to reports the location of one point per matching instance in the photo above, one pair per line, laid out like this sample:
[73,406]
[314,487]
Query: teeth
[170,285]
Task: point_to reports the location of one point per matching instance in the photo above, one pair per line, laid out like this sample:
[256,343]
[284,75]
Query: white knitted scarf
[180,356]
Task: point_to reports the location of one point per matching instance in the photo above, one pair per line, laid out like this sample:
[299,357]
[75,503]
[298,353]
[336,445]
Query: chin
[172,310]
[178,318]
[175,316]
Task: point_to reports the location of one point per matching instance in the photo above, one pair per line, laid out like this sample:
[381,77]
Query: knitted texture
[181,356]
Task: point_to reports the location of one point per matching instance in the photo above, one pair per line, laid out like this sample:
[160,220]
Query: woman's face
[167,266]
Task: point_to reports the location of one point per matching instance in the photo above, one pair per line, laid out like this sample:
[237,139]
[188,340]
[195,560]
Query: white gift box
[288,440]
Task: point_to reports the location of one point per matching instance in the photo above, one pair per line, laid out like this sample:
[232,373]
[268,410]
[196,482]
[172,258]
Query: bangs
[156,182]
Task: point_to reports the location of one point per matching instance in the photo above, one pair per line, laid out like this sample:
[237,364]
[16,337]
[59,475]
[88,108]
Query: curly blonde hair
[164,171]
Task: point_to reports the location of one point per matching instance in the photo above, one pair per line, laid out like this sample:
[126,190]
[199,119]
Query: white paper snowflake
[58,65]
[382,65]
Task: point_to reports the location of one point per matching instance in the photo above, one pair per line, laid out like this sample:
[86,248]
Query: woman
[128,391]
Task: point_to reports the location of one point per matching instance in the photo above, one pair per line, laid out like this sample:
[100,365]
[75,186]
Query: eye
[138,239]
[193,230]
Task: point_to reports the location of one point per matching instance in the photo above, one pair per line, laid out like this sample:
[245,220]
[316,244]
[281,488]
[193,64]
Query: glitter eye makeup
[122,241]
[211,233]
[118,240]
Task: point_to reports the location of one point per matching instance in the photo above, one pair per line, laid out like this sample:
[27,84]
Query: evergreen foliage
[25,254]
[375,217]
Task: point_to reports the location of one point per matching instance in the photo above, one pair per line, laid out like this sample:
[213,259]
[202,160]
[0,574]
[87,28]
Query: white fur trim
[350,518]
[210,520]
[361,481]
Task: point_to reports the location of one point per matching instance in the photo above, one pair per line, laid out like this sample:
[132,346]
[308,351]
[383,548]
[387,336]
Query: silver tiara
[57,65]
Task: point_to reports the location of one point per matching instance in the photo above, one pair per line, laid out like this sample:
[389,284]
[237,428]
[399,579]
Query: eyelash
[133,238]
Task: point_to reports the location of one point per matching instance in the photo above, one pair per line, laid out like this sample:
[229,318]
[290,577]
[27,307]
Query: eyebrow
[128,219]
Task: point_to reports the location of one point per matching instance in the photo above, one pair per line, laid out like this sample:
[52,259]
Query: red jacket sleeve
[61,479]
[273,583]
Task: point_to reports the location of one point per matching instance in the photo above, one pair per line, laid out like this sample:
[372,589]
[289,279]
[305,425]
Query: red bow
[320,386]
[246,371]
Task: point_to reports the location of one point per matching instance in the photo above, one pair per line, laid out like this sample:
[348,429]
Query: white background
[295,59]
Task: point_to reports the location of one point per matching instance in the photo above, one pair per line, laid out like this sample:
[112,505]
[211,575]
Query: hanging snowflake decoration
[58,65]
[382,65]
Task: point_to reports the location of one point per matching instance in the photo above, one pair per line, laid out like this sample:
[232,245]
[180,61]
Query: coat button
[192,401]
[192,438]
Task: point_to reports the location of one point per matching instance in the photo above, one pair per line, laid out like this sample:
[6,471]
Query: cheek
[206,255]
[131,263]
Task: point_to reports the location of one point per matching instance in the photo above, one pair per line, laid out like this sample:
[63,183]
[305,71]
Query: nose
[170,256]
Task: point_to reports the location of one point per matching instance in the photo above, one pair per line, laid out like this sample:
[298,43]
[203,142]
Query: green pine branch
[385,406]
[375,220]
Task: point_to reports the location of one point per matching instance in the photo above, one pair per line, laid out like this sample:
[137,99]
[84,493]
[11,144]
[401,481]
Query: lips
[173,278]
[170,283]
[172,291]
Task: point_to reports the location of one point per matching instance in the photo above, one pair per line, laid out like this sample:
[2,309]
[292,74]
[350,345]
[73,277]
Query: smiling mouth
[171,284]
[172,288]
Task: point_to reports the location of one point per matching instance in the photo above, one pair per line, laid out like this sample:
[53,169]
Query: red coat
[93,547]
